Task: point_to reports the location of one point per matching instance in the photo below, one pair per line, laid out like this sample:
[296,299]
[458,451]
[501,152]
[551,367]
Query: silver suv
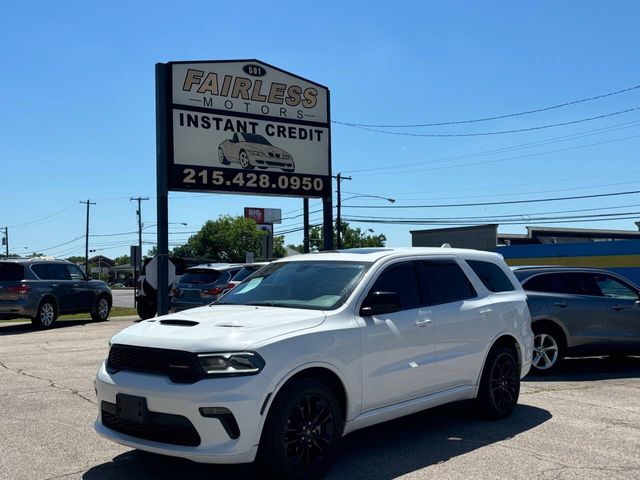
[578,312]
[43,289]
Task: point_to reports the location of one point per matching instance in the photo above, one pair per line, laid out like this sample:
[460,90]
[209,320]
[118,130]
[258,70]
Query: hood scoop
[179,323]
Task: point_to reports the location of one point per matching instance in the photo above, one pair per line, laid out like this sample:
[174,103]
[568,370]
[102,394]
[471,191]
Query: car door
[622,304]
[62,286]
[398,348]
[84,291]
[460,321]
[574,301]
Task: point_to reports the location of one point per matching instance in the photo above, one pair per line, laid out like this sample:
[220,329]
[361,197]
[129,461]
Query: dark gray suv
[43,289]
[579,312]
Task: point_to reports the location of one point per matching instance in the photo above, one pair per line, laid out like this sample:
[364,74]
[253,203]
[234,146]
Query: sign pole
[162,193]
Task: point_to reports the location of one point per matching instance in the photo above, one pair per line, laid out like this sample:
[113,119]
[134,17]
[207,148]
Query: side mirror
[381,302]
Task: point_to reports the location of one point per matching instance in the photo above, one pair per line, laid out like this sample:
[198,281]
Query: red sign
[256,214]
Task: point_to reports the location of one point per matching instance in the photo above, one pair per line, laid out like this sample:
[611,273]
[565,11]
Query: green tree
[76,259]
[226,239]
[123,260]
[351,238]
[278,247]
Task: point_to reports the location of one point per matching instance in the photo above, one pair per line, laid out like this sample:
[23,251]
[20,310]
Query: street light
[339,205]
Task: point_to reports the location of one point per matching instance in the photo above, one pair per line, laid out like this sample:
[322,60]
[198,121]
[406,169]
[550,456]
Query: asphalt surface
[581,424]
[123,297]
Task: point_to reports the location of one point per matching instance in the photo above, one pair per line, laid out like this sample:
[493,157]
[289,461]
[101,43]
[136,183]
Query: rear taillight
[230,286]
[213,291]
[20,289]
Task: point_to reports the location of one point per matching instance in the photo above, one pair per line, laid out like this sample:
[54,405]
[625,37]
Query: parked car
[203,284]
[313,347]
[251,150]
[147,286]
[43,289]
[247,269]
[578,312]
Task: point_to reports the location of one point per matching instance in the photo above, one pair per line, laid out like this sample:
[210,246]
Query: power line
[517,157]
[521,146]
[500,132]
[509,222]
[510,202]
[494,117]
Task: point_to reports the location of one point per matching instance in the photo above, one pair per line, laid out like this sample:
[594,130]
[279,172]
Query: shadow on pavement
[23,328]
[381,452]
[592,368]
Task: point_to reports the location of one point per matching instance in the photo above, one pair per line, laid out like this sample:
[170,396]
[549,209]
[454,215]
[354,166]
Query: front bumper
[243,396]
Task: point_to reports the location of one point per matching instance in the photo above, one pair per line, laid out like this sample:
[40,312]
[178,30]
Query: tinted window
[75,273]
[42,271]
[613,288]
[400,278]
[492,276]
[59,271]
[245,272]
[444,282]
[11,272]
[567,283]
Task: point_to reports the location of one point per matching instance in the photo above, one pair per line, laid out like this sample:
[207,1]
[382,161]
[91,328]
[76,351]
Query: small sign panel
[244,126]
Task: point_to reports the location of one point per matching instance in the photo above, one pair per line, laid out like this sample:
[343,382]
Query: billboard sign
[263,215]
[244,126]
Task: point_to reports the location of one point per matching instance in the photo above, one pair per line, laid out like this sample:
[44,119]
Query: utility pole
[137,269]
[305,222]
[6,240]
[86,240]
[339,178]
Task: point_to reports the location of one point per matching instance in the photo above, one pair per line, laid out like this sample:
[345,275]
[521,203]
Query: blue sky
[78,119]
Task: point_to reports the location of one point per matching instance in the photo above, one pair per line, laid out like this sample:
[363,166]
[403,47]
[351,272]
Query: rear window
[444,282]
[492,276]
[201,278]
[11,272]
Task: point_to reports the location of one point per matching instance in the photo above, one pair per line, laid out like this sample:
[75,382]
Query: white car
[251,150]
[313,347]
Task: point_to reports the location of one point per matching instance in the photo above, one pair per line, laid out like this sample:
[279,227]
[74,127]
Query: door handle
[55,285]
[485,311]
[76,284]
[561,304]
[617,307]
[423,323]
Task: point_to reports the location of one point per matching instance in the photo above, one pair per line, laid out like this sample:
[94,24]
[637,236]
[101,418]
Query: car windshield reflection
[298,284]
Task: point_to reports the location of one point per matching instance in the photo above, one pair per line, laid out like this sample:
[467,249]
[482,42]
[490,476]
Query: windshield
[315,285]
[251,138]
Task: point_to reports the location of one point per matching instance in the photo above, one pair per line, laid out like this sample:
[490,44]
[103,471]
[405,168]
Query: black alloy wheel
[302,431]
[500,385]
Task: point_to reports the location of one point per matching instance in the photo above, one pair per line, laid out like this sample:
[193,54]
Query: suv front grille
[179,366]
[161,427]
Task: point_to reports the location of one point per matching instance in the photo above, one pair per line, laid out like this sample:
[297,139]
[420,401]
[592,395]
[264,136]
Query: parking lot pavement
[583,423]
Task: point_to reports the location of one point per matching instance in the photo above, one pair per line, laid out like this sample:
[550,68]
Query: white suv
[313,347]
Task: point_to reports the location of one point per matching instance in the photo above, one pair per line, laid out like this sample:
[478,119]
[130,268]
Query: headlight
[256,153]
[232,363]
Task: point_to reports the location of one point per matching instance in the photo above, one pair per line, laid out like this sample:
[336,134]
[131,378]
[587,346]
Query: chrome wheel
[504,382]
[103,308]
[221,157]
[545,351]
[309,432]
[244,160]
[47,314]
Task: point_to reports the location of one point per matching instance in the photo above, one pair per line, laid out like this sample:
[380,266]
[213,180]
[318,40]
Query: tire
[302,431]
[548,349]
[102,310]
[145,309]
[244,160]
[500,383]
[222,158]
[46,315]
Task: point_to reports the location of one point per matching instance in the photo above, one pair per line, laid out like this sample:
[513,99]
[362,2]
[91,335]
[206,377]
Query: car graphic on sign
[251,150]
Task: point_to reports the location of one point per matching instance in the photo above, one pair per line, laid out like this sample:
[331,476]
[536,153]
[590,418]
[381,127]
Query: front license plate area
[132,408]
